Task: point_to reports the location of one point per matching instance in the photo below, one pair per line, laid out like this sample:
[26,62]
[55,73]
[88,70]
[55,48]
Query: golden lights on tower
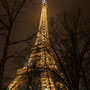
[40,59]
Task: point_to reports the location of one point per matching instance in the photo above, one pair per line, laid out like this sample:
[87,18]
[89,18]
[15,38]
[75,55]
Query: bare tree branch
[1,28]
[1,21]
[21,41]
[3,34]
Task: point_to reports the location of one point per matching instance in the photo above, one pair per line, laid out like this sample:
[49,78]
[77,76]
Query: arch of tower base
[38,79]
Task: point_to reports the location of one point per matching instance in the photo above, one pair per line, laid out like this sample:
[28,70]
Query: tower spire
[42,36]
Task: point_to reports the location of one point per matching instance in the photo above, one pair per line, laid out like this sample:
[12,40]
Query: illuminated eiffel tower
[39,63]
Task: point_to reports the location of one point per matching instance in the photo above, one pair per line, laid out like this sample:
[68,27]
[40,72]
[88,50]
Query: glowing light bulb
[45,88]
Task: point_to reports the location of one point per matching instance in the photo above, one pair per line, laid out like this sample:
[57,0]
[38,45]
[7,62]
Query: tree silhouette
[9,10]
[70,41]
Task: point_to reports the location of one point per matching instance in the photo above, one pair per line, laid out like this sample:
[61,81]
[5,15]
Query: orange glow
[40,57]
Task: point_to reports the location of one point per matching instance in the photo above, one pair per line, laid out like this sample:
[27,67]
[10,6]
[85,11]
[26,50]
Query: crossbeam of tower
[40,58]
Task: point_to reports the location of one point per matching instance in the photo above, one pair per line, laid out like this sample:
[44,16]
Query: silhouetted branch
[18,10]
[21,41]
[11,56]
[1,28]
[3,34]
[57,74]
[1,21]
[85,48]
[84,78]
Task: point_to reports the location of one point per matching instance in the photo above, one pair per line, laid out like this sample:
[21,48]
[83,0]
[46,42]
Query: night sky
[31,15]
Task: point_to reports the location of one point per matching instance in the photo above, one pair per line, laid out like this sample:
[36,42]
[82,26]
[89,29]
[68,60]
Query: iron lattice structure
[36,74]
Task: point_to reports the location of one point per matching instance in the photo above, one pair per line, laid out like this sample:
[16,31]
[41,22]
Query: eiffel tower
[36,74]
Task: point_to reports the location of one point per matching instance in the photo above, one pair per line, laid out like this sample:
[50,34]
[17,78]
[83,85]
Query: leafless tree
[70,42]
[9,10]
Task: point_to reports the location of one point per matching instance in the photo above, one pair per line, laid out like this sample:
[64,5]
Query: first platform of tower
[44,1]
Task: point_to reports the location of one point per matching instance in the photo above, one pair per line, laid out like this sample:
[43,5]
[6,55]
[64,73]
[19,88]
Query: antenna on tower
[44,1]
